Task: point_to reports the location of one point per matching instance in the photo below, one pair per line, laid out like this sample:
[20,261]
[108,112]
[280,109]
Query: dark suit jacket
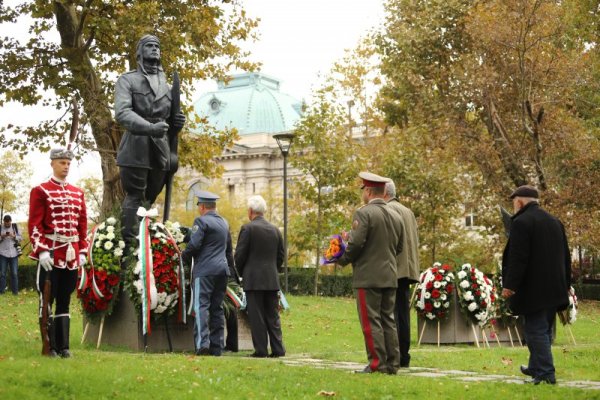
[259,255]
[536,262]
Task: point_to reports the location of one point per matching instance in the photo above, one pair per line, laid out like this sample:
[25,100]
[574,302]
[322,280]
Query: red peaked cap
[372,180]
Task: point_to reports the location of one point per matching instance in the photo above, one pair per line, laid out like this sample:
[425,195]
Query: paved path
[466,376]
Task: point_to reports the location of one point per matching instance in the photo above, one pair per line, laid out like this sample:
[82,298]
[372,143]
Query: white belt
[62,238]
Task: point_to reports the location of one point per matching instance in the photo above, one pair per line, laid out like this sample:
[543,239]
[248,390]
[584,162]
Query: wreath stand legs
[484,337]
[100,332]
[512,344]
[495,335]
[85,331]
[518,336]
[568,327]
[422,331]
[475,335]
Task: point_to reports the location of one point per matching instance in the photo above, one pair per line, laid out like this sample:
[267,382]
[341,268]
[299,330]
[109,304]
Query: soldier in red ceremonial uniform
[58,229]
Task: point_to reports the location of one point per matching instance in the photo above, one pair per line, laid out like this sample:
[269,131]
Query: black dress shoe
[276,355]
[366,370]
[538,380]
[525,371]
[204,351]
[65,353]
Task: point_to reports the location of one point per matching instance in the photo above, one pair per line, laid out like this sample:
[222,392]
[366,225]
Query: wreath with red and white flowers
[569,315]
[434,292]
[476,294]
[99,278]
[155,281]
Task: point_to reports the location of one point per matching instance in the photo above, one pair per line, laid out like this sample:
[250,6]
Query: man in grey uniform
[210,246]
[143,107]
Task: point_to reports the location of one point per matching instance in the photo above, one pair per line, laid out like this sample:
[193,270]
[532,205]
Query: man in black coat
[536,274]
[258,256]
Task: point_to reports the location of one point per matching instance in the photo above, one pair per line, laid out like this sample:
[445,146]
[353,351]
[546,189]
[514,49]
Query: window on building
[471,220]
[253,188]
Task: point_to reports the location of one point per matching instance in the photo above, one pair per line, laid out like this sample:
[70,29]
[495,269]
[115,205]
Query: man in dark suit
[373,245]
[258,256]
[210,246]
[536,275]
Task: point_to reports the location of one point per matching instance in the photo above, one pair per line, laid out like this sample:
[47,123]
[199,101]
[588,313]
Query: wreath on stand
[156,280]
[476,297]
[99,279]
[433,295]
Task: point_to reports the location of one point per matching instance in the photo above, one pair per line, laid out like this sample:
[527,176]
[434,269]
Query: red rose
[434,270]
[477,293]
[483,304]
[428,307]
[108,296]
[446,267]
[493,298]
[429,285]
[102,305]
[113,279]
[160,289]
[435,293]
[100,275]
[439,277]
[474,286]
[449,288]
[441,314]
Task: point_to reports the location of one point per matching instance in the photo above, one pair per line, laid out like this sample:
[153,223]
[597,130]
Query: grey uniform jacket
[374,243]
[210,245]
[259,255]
[137,107]
[408,259]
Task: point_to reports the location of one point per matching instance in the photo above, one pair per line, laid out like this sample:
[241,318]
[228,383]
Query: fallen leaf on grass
[326,393]
[507,361]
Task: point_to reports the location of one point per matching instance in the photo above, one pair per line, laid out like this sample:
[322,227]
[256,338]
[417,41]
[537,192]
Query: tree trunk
[86,84]
[316,280]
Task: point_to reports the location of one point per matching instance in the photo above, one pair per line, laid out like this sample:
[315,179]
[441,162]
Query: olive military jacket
[373,245]
[408,259]
[137,107]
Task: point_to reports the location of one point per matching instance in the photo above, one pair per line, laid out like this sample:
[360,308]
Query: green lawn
[325,328]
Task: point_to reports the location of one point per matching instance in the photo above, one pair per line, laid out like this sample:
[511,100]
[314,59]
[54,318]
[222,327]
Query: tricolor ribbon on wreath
[181,312]
[83,280]
[149,292]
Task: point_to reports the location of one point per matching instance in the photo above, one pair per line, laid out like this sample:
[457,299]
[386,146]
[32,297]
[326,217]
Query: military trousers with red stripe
[376,314]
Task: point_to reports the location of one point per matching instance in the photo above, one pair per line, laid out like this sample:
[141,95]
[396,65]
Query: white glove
[82,259]
[46,261]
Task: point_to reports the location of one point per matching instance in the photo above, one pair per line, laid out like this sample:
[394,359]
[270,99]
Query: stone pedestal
[457,329]
[124,328]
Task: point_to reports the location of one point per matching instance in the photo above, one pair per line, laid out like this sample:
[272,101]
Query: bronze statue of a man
[143,102]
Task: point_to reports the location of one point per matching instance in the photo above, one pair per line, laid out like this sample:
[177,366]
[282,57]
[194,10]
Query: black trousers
[402,317]
[263,316]
[63,283]
[142,187]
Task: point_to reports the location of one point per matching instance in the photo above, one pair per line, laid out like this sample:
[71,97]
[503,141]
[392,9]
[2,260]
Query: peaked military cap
[206,197]
[525,191]
[56,154]
[372,180]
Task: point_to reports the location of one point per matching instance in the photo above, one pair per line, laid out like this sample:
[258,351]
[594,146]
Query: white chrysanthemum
[420,305]
[430,316]
[447,304]
[461,274]
[484,295]
[472,306]
[108,245]
[118,252]
[464,284]
[98,244]
[160,309]
[110,235]
[138,285]
[111,221]
[121,244]
[101,226]
[443,297]
[427,295]
[466,266]
[100,237]
[437,304]
[437,264]
[138,268]
[468,296]
[161,297]
[110,228]
[437,284]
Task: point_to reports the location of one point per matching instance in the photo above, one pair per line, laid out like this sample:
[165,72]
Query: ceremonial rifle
[173,135]
[45,315]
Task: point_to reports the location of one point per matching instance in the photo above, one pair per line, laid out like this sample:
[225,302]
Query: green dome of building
[250,102]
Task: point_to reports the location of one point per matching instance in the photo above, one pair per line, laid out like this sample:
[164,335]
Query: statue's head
[148,51]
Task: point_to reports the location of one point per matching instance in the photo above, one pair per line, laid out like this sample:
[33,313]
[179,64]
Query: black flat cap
[525,191]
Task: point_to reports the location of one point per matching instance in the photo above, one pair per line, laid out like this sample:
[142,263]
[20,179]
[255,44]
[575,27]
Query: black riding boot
[62,336]
[51,337]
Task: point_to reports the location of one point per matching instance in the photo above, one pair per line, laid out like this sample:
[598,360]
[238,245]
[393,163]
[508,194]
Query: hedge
[301,282]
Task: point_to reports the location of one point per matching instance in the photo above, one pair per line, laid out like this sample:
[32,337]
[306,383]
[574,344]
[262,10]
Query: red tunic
[57,220]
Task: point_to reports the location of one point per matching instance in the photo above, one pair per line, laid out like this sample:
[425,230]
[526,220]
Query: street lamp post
[284,141]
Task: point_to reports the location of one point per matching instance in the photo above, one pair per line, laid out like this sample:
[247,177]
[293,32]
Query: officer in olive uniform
[210,246]
[142,107]
[408,270]
[373,245]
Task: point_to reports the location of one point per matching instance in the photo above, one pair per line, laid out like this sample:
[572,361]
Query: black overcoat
[259,255]
[537,263]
